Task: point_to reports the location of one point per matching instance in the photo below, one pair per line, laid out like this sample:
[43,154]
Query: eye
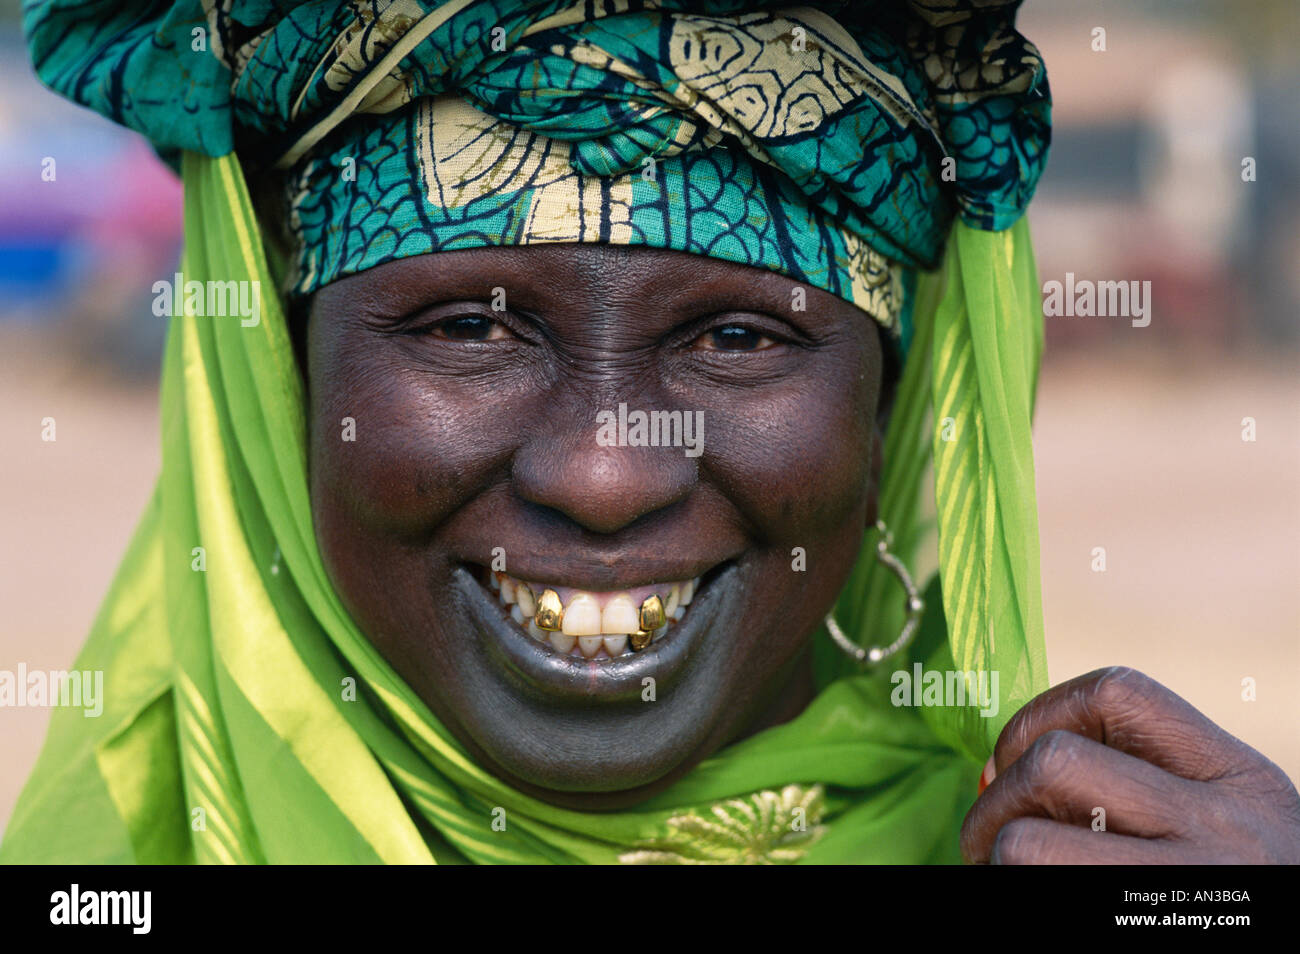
[734,338]
[470,328]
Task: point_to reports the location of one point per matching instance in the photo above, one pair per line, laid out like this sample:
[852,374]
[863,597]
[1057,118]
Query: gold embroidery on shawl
[767,828]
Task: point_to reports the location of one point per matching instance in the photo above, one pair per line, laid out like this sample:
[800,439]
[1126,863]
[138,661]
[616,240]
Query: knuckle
[1014,844]
[1016,735]
[1279,789]
[1053,754]
[1116,686]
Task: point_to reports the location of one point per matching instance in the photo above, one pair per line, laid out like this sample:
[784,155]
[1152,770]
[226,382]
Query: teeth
[619,616]
[592,622]
[527,602]
[550,612]
[652,614]
[582,616]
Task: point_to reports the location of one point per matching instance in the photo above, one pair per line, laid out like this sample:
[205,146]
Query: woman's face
[484,390]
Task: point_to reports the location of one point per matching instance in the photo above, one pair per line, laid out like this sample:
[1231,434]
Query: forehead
[577,274]
[590,263]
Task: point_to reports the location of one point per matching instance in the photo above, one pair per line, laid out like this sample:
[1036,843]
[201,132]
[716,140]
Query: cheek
[411,454]
[796,458]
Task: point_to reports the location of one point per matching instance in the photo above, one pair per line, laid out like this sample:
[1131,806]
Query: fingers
[1126,710]
[1066,778]
[1038,841]
[1174,786]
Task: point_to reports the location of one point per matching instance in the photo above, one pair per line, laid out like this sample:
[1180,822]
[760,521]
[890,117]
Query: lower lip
[545,671]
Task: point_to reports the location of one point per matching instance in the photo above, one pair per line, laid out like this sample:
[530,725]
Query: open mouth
[594,625]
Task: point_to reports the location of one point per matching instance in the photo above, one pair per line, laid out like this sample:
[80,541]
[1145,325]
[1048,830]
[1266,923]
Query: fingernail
[987,776]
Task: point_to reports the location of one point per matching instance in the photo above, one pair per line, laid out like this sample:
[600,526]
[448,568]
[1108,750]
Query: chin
[570,692]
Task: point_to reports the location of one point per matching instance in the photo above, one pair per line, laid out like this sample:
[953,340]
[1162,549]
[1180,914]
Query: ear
[876,470]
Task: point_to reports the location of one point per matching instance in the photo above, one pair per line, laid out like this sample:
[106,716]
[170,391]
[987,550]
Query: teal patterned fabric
[832,142]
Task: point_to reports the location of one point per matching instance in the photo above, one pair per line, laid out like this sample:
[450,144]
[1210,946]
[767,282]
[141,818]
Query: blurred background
[1138,430]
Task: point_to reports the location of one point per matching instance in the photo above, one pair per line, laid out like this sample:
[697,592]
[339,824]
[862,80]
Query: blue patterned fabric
[833,142]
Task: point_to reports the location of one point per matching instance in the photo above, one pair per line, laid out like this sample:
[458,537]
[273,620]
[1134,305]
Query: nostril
[602,489]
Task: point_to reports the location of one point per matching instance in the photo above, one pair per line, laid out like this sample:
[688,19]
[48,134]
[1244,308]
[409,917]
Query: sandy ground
[1142,457]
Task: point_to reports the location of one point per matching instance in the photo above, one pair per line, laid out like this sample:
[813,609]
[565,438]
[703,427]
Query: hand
[1176,789]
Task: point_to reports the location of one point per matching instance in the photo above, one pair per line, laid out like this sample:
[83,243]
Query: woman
[514,540]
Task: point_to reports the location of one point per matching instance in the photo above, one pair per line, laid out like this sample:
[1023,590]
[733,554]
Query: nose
[601,488]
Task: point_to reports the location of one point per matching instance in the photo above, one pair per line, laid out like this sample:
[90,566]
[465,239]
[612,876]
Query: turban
[833,143]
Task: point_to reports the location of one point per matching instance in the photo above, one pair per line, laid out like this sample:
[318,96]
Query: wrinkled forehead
[591,275]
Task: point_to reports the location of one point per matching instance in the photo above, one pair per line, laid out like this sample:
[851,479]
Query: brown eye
[470,328]
[734,338]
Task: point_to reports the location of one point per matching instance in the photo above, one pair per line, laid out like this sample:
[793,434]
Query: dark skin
[1176,788]
[475,430]
[468,445]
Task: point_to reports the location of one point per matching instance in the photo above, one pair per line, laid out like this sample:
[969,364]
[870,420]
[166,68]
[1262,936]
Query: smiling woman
[396,598]
[400,598]
[479,434]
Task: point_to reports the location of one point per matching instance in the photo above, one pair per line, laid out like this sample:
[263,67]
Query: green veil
[247,720]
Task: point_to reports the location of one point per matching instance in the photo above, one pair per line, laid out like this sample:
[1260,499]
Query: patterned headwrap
[833,143]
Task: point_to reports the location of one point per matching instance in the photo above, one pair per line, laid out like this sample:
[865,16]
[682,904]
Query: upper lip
[602,579]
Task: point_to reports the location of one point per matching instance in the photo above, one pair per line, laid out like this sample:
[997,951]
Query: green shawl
[228,732]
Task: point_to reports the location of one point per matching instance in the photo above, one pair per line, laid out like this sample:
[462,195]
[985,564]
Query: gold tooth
[640,639]
[550,612]
[652,614]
